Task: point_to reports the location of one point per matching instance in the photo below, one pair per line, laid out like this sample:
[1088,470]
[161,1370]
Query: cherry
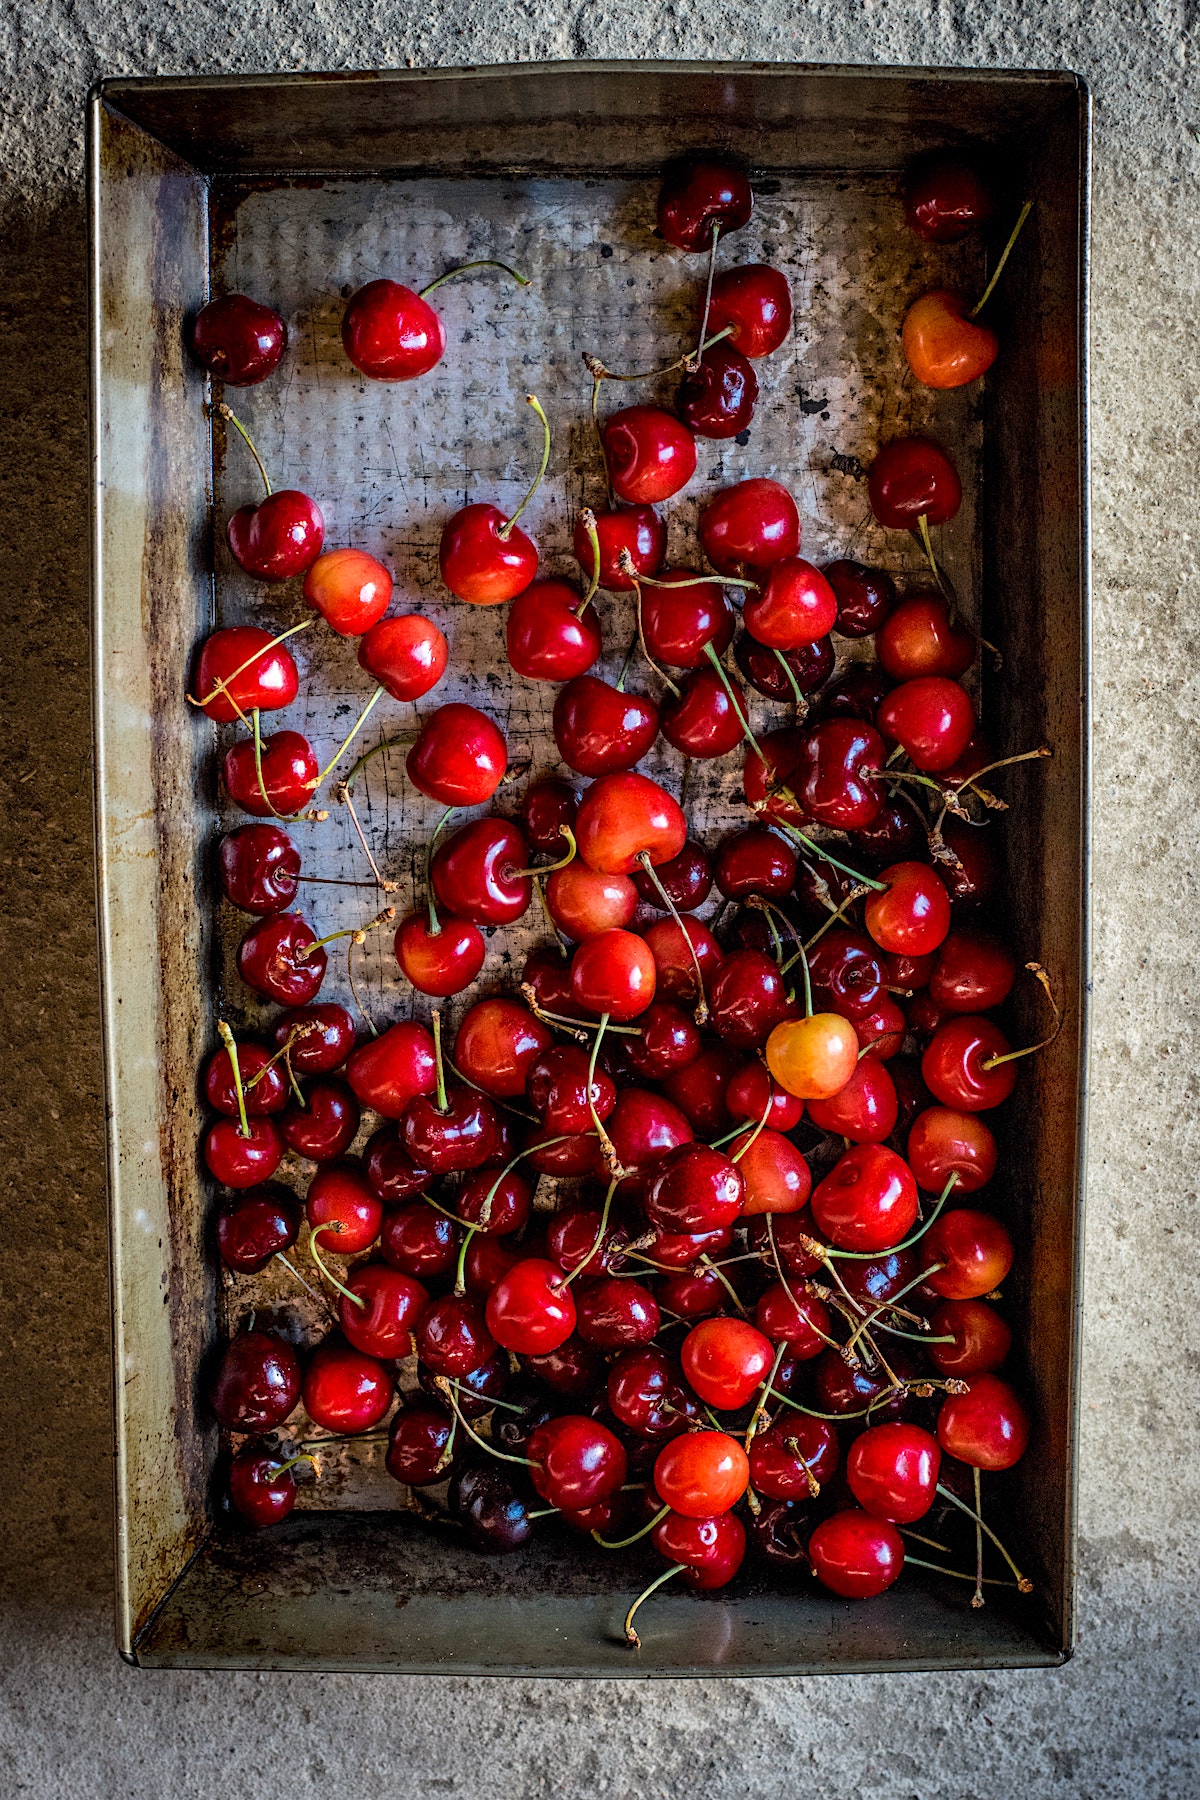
[748,1093]
[528,1406]
[847,974]
[391,333]
[858,694]
[258,1383]
[833,777]
[497,1045]
[767,772]
[919,639]
[262,1084]
[942,1143]
[955,1066]
[254,1225]
[261,1487]
[600,729]
[700,198]
[754,304]
[682,614]
[392,1307]
[794,606]
[975,1249]
[240,1159]
[693,1296]
[776,1531]
[479,1388]
[242,669]
[341,1200]
[547,807]
[478,872]
[643,1127]
[453,1338]
[696,1189]
[699,1089]
[488,1260]
[455,1129]
[420,1444]
[868,1201]
[494,1516]
[755,861]
[702,1472]
[718,398]
[726,1362]
[988,1428]
[583,904]
[388,1071]
[907,974]
[790,1455]
[675,963]
[649,453]
[325,1126]
[893,835]
[279,537]
[460,756]
[712,1550]
[260,868]
[614,973]
[865,597]
[440,962]
[238,340]
[577,1462]
[635,532]
[531,1309]
[913,917]
[849,1392]
[913,479]
[855,1555]
[416,1240]
[787,1230]
[575,1241]
[972,874]
[345,1391]
[946,198]
[750,525]
[571,1370]
[645,1392]
[406,655]
[974,972]
[865,1111]
[705,718]
[669,1041]
[687,879]
[932,718]
[547,637]
[944,344]
[279,957]
[622,816]
[800,1321]
[778,673]
[614,1312]
[892,1471]
[813,1058]
[777,1177]
[350,590]
[748,998]
[279,781]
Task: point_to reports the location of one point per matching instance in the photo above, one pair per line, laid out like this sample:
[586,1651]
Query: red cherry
[910,479]
[755,862]
[635,530]
[895,834]
[747,1095]
[795,605]
[341,1199]
[238,340]
[974,973]
[390,333]
[702,1472]
[882,1031]
[615,1312]
[459,1134]
[748,998]
[279,537]
[280,782]
[794,1448]
[645,1392]
[868,1201]
[261,1486]
[420,1449]
[242,1161]
[754,302]
[679,1250]
[726,1362]
[975,1250]
[574,1241]
[531,1310]
[687,879]
[945,198]
[345,1391]
[614,973]
[460,756]
[388,1071]
[264,1087]
[583,904]
[955,1065]
[705,719]
[649,453]
[855,1555]
[257,673]
[643,1128]
[865,597]
[680,618]
[932,718]
[858,694]
[987,1428]
[798,1320]
[833,777]
[406,655]
[809,666]
[913,917]
[547,807]
[767,778]
[325,1126]
[696,1189]
[675,963]
[778,1179]
[942,1143]
[393,1306]
[918,639]
[751,525]
[865,1111]
[892,1471]
[497,1045]
[254,1224]
[484,558]
[495,1203]
[699,198]
[717,400]
[260,868]
[572,1369]
[623,815]
[698,1089]
[577,1462]
[972,875]
[787,1231]
[669,1041]
[418,1241]
[546,637]
[258,1382]
[350,590]
[477,872]
[980,1342]
[453,1338]
[440,962]
[487,1261]
[600,729]
[276,958]
[712,1549]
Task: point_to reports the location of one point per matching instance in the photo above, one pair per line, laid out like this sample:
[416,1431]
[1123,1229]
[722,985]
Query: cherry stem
[625,666]
[693,362]
[820,851]
[342,793]
[371,1025]
[505,1405]
[486,263]
[797,690]
[599,371]
[460,1272]
[579,1028]
[438,1063]
[919,1562]
[827,1252]
[516,1111]
[1004,256]
[977,1596]
[587,519]
[500,1455]
[631,1636]
[535,484]
[761,1402]
[835,917]
[624,1543]
[346,742]
[549,868]
[891,1306]
[607,1148]
[434,922]
[1043,980]
[598,1240]
[706,1263]
[784,1283]
[221,686]
[357,932]
[256,728]
[1023,1583]
[323,1266]
[696,580]
[598,429]
[230,1043]
[396,743]
[294,1271]
[761,1125]
[641,630]
[228,413]
[932,1542]
[742,720]
[701,1012]
[294,1036]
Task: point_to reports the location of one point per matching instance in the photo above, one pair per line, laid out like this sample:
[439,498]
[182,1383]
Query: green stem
[396,743]
[500,1455]
[346,742]
[587,519]
[548,868]
[1025,1585]
[764,1390]
[222,685]
[438,1063]
[701,1013]
[230,1042]
[435,925]
[227,412]
[631,1636]
[486,263]
[256,725]
[742,720]
[535,484]
[624,1543]
[1004,256]
[821,852]
[323,1266]
[598,1240]
[872,1255]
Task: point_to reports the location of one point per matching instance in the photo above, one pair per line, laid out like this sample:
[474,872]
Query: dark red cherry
[794,1448]
[392,1307]
[242,669]
[831,779]
[865,597]
[576,1461]
[857,694]
[601,730]
[255,1224]
[494,1516]
[406,655]
[277,958]
[264,1086]
[459,1135]
[754,302]
[548,805]
[680,619]
[894,834]
[855,1555]
[945,198]
[786,1234]
[669,1041]
[440,962]
[932,718]
[881,1280]
[801,1321]
[345,1391]
[747,998]
[281,782]
[749,1092]
[460,757]
[422,1447]
[750,525]
[970,871]
[242,1160]
[614,1312]
[643,1128]
[387,1071]
[498,1043]
[258,1382]
[278,538]
[718,399]
[763,667]
[849,1392]
[701,197]
[650,454]
[558,1089]
[477,872]
[974,972]
[795,605]
[574,1241]
[645,1392]
[495,1202]
[453,1338]
[478,1388]
[415,1239]
[767,779]
[390,333]
[546,637]
[260,867]
[238,340]
[956,1062]
[913,478]
[676,964]
[261,1485]
[635,530]
[325,1126]
[882,1031]
[572,1370]
[699,1089]
[705,718]
[755,861]
[779,1533]
[687,879]
[695,1189]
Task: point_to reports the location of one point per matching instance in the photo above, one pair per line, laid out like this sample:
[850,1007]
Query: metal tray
[292,186]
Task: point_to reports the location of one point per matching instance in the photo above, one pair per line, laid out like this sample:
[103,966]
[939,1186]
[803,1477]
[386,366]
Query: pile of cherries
[760,1306]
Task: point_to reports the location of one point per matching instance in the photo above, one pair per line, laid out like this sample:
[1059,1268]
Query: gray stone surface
[1121,1719]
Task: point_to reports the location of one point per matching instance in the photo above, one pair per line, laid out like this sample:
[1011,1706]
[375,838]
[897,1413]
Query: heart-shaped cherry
[380,1309]
[582,904]
[388,1071]
[749,526]
[238,340]
[479,872]
[865,597]
[497,1045]
[795,605]
[717,398]
[910,480]
[600,729]
[240,1158]
[614,974]
[701,198]
[439,962]
[280,957]
[548,636]
[635,532]
[255,1224]
[406,655]
[391,333]
[282,535]
[260,868]
[649,453]
[460,756]
[262,1487]
[784,674]
[258,1383]
[754,304]
[350,590]
[681,614]
[944,344]
[242,670]
[278,778]
[623,815]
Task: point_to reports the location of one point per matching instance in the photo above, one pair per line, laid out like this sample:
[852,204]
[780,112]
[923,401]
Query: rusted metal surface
[387,465]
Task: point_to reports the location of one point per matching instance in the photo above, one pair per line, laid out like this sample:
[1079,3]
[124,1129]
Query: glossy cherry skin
[650,454]
[289,772]
[643,1128]
[530,1310]
[800,1321]
[546,638]
[406,655]
[460,756]
[987,1428]
[913,917]
[257,673]
[777,1176]
[274,958]
[704,721]
[239,1161]
[386,1072]
[847,974]
[687,879]
[787,1231]
[795,605]
[495,1202]
[712,1549]
[350,590]
[912,477]
[599,729]
[698,1090]
[894,835]
[767,779]
[261,1489]
[918,639]
[636,530]
[981,1339]
[954,1066]
[868,1201]
[548,806]
[680,619]
[459,1135]
[698,194]
[264,1088]
[341,1199]
[892,1471]
[614,1313]
[278,538]
[975,1249]
[832,780]
[453,1338]
[321,1037]
[748,998]
[810,665]
[755,861]
[574,1241]
[614,973]
[865,1111]
[855,1555]
[345,1391]
[259,867]
[420,1450]
[865,597]
[974,972]
[696,1189]
[394,1306]
[669,1041]
[258,1382]
[946,198]
[483,559]
[883,1030]
[932,718]
[751,525]
[494,1516]
[325,1126]
[583,903]
[476,872]
[753,301]
[418,1241]
[848,1392]
[442,962]
[813,1058]
[497,1045]
[717,400]
[857,694]
[794,1448]
[726,1362]
[238,340]
[944,346]
[577,1462]
[971,874]
[254,1224]
[673,961]
[645,1392]
[702,1472]
[390,333]
[943,1142]
[747,1098]
[623,815]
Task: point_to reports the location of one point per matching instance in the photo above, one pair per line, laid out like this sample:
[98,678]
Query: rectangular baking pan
[191,181]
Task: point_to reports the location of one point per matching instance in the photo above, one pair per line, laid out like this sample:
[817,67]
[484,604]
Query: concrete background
[1121,1720]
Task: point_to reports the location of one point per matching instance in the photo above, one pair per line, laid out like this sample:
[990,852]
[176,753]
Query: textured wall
[1118,1721]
